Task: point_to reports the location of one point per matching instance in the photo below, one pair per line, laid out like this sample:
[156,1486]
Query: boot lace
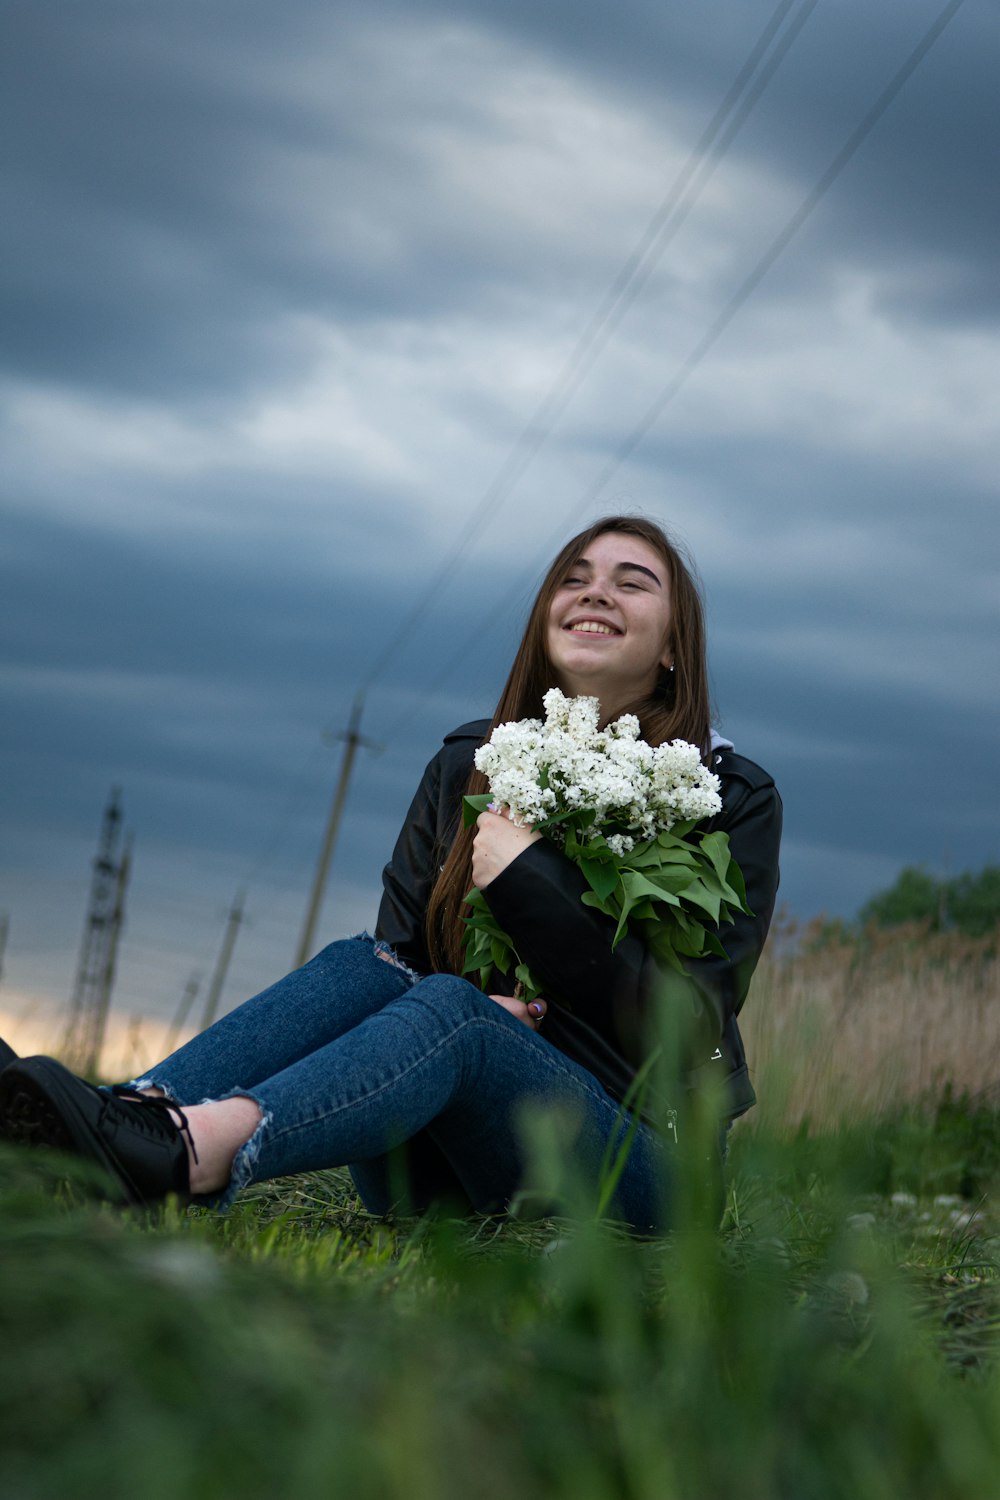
[157,1116]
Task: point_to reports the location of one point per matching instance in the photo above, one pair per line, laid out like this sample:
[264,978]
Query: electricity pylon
[91,999]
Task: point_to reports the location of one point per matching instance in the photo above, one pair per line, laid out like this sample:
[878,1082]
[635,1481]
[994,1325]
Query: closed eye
[624,583]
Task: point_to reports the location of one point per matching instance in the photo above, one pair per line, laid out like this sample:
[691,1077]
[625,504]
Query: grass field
[838,1338]
[873,1023]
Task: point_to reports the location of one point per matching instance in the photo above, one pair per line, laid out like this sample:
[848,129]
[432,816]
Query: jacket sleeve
[408,878]
[568,945]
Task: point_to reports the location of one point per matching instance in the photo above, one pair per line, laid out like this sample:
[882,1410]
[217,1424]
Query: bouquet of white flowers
[623,812]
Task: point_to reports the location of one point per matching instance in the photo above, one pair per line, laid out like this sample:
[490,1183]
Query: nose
[594,592]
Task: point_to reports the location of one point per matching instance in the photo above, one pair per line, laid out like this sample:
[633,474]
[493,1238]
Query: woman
[377,1043]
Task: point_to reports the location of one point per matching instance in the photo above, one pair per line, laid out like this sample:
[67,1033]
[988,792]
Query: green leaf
[681,830]
[476,899]
[708,900]
[532,989]
[716,847]
[473,805]
[670,882]
[671,839]
[601,876]
[734,876]
[609,907]
[555,820]
[501,953]
[656,856]
[662,945]
[627,906]
[690,942]
[637,885]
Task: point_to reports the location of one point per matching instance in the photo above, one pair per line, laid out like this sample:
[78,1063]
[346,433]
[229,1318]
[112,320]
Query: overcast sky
[283,287]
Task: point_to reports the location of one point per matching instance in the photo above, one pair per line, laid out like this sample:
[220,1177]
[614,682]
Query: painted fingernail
[536,1010]
[492,807]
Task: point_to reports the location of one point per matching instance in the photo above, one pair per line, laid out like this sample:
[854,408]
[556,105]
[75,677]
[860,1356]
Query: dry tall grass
[864,1026]
[32,1024]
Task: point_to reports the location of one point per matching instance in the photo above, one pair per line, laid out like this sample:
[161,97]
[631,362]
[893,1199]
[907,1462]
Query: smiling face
[608,630]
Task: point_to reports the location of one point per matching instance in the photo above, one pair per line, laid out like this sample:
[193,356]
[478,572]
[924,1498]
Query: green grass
[837,1339]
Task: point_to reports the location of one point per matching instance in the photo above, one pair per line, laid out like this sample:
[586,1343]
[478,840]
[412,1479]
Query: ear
[667,659]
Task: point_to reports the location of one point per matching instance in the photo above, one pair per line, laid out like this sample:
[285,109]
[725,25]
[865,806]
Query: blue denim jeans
[352,1056]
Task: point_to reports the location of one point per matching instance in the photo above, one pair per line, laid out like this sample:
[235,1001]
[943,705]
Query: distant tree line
[968,903]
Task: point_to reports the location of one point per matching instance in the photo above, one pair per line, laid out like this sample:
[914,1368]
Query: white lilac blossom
[568,763]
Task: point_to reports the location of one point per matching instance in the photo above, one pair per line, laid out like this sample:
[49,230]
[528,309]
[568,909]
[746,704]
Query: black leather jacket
[567,945]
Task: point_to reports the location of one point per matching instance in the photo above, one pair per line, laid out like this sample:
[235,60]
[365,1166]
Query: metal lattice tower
[88,1011]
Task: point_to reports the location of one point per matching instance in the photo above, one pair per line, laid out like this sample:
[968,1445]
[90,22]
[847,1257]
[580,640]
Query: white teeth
[594,628]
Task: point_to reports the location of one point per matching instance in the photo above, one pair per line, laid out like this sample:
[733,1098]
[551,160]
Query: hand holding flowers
[498,841]
[623,812]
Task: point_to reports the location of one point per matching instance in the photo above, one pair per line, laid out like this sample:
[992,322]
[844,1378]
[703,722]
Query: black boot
[137,1139]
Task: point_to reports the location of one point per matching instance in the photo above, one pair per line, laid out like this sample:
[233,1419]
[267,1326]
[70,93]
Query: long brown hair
[678,707]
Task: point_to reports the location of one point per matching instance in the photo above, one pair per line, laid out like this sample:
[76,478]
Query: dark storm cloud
[174,197]
[915,190]
[684,60]
[142,233]
[193,677]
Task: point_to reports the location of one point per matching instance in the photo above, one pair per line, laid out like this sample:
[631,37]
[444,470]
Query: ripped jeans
[351,1058]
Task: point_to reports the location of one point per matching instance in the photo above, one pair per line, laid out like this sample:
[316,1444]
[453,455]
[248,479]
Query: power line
[700,167]
[629,282]
[727,314]
[774,250]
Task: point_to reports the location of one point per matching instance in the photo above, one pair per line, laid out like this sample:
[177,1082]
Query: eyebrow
[622,567]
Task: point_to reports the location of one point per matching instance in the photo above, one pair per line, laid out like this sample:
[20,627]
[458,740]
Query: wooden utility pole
[183,1011]
[352,739]
[225,954]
